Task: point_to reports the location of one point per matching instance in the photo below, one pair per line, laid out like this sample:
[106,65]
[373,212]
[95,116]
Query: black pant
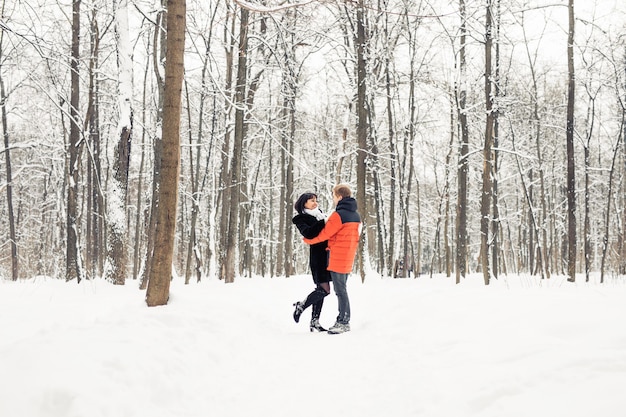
[315,299]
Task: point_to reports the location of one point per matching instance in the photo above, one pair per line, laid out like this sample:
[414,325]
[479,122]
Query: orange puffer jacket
[342,232]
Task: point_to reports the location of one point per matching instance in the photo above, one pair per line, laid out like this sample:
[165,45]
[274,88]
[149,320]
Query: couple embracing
[333,244]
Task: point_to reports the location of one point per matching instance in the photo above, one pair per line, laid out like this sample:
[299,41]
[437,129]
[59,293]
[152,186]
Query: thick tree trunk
[117,237]
[159,285]
[117,243]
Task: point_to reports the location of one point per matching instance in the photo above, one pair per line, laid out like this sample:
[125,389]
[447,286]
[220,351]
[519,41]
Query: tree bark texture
[159,285]
[463,166]
[73,269]
[361,133]
[485,201]
[234,185]
[9,176]
[571,163]
[158,58]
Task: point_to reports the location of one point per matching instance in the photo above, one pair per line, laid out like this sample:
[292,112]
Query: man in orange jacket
[342,232]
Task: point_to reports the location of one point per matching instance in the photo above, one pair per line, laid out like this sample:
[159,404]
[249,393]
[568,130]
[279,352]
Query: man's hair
[342,190]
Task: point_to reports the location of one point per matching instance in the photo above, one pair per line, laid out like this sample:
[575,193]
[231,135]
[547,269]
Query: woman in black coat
[310,221]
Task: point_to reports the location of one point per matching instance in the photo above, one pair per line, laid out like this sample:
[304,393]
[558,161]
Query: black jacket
[310,227]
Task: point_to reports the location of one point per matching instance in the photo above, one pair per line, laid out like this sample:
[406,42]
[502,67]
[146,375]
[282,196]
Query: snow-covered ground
[520,347]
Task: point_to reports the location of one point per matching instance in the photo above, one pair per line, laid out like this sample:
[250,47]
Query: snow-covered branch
[253,7]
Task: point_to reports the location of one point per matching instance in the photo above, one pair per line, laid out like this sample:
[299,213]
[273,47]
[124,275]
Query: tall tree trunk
[158,57]
[206,266]
[532,221]
[393,155]
[225,195]
[446,233]
[622,244]
[495,220]
[289,267]
[235,162]
[7,160]
[571,177]
[542,223]
[361,132]
[73,268]
[288,185]
[159,285]
[140,176]
[117,243]
[587,216]
[246,250]
[284,259]
[485,201]
[463,167]
[94,198]
[607,214]
[282,209]
[591,117]
[193,254]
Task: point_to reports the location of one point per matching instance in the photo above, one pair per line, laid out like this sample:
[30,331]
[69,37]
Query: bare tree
[194,256]
[495,218]
[117,218]
[571,163]
[463,167]
[362,129]
[234,185]
[541,224]
[7,159]
[140,180]
[73,268]
[485,201]
[94,235]
[394,157]
[159,284]
[158,57]
[289,87]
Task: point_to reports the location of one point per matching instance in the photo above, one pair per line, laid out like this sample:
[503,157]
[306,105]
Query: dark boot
[298,311]
[316,326]
[313,298]
[317,309]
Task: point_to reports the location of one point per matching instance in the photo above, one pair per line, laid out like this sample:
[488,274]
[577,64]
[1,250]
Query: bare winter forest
[477,135]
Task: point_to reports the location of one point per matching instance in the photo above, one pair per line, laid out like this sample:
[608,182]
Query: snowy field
[418,347]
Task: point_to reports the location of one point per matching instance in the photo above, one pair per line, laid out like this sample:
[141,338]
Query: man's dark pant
[339,284]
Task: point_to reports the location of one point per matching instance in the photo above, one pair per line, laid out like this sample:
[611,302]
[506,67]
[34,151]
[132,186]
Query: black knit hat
[299,205]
